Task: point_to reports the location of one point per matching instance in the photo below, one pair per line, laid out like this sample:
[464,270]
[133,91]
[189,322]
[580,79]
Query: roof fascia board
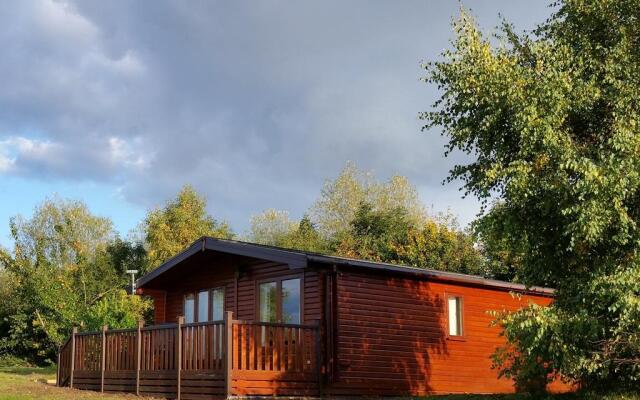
[436,275]
[294,260]
[170,263]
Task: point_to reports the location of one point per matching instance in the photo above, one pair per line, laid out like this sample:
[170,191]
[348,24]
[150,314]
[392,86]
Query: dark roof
[300,259]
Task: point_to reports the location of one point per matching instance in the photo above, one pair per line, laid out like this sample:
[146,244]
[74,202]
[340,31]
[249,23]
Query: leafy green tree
[274,228]
[360,217]
[375,235]
[502,252]
[438,245]
[551,121]
[168,230]
[305,237]
[271,227]
[340,198]
[64,263]
[390,236]
[117,310]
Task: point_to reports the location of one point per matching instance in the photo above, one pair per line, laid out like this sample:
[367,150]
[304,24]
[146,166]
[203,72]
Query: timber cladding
[220,273]
[213,359]
[365,329]
[392,336]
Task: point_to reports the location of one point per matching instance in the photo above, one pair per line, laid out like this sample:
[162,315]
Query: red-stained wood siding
[390,334]
[392,337]
[159,304]
[262,271]
[208,273]
[220,272]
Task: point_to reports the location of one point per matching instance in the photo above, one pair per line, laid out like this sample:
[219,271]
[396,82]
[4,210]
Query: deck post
[138,354]
[73,354]
[102,356]
[318,333]
[58,368]
[228,349]
[179,358]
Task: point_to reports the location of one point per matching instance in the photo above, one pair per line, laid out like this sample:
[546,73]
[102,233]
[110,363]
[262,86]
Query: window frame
[197,314]
[463,333]
[195,306]
[224,301]
[196,302]
[278,280]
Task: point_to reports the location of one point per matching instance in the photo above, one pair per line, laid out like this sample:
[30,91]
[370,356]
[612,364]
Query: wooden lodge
[241,319]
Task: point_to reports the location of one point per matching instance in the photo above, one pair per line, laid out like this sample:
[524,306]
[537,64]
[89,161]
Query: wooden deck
[190,361]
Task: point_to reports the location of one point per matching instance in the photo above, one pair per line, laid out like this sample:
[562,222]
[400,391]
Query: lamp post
[133,273]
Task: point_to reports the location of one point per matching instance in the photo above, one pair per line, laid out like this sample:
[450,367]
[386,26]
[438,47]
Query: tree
[274,228]
[360,217]
[375,235]
[168,230]
[271,227]
[305,237]
[341,197]
[551,120]
[389,236]
[63,266]
[118,310]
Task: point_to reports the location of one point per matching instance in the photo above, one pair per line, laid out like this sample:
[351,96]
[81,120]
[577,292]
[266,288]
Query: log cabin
[241,319]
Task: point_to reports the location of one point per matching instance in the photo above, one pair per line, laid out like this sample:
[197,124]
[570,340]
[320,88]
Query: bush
[117,310]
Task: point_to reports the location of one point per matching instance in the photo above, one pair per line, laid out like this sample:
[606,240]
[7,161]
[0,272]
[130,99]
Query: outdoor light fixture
[133,273]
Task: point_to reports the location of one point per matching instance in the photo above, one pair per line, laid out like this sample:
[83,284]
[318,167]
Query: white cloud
[253,104]
[60,20]
[128,154]
[6,163]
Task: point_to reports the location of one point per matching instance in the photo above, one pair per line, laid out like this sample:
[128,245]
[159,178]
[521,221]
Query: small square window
[455,315]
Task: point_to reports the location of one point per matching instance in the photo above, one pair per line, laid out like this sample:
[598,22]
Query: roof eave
[170,263]
[436,275]
[293,260]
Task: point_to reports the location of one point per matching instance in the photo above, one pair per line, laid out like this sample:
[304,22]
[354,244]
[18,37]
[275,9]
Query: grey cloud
[254,103]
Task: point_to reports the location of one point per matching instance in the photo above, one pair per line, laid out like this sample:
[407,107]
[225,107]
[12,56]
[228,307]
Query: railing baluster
[73,354]
[179,361]
[103,353]
[223,347]
[228,352]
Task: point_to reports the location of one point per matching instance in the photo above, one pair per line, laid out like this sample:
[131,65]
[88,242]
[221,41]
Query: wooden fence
[215,359]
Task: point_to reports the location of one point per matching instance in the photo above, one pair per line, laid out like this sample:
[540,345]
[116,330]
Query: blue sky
[254,103]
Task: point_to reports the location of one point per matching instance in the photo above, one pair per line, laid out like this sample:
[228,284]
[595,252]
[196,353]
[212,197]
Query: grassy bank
[30,384]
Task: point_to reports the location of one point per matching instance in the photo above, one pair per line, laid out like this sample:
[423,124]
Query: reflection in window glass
[217,304]
[268,298]
[189,305]
[291,301]
[203,306]
[455,316]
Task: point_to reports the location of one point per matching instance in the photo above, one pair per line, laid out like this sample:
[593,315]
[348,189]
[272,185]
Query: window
[217,304]
[280,301]
[455,315]
[203,306]
[268,302]
[189,308]
[291,301]
[206,305]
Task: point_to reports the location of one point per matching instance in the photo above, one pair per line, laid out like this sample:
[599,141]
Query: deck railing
[190,360]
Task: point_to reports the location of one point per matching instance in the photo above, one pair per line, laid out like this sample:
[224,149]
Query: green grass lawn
[30,384]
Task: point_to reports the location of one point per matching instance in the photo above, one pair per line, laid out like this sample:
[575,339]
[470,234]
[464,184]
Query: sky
[253,103]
